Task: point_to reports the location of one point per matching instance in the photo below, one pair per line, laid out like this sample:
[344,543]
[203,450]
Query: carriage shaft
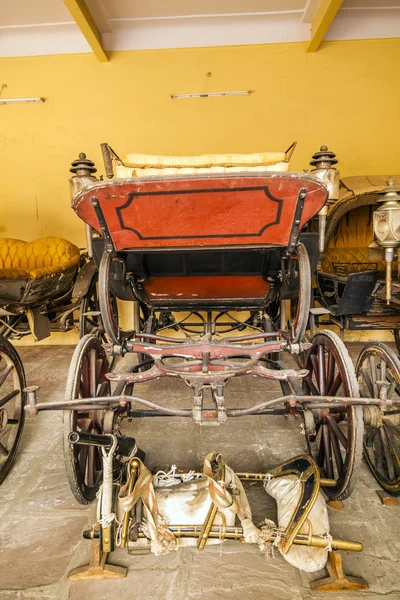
[236,533]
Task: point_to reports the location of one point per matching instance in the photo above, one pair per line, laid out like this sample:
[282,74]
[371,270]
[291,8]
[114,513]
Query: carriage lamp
[323,162]
[83,170]
[387,228]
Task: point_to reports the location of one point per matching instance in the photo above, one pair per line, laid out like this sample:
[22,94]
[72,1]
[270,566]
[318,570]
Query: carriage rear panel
[199,212]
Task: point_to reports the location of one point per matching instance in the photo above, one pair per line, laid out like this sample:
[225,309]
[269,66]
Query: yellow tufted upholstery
[147,165]
[41,258]
[347,250]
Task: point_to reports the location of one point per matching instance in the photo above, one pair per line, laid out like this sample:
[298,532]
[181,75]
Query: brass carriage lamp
[323,162]
[387,228]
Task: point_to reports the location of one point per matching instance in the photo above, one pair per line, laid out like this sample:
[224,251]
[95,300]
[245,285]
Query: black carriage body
[243,262]
[20,294]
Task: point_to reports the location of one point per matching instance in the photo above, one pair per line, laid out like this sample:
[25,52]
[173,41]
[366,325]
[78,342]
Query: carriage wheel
[86,378]
[108,315]
[378,367]
[396,333]
[301,307]
[93,323]
[12,400]
[336,443]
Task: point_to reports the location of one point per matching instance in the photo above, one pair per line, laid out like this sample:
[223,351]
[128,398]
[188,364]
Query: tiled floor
[41,524]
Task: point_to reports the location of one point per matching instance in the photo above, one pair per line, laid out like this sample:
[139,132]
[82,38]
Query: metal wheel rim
[381,442]
[87,380]
[105,302]
[12,410]
[300,321]
[334,427]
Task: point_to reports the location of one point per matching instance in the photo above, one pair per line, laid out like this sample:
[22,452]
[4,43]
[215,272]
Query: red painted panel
[206,288]
[196,212]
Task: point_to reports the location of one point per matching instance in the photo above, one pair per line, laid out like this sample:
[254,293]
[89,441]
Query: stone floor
[41,524]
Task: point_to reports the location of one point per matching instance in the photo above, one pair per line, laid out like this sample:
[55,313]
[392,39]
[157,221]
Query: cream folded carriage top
[147,165]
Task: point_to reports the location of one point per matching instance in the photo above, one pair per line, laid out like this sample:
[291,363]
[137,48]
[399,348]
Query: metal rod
[134,464]
[122,400]
[236,533]
[89,240]
[254,336]
[90,439]
[255,477]
[138,414]
[109,244]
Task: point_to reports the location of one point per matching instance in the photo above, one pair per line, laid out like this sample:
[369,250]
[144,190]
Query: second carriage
[358,290]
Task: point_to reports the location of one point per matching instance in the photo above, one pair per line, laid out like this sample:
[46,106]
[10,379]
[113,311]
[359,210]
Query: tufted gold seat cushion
[41,258]
[347,250]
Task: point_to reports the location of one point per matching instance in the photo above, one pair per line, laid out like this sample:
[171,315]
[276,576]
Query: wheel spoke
[314,363]
[104,388]
[99,367]
[382,369]
[6,373]
[393,439]
[321,370]
[386,450]
[336,450]
[335,385]
[83,455]
[9,397]
[337,431]
[90,467]
[83,393]
[3,450]
[330,370]
[374,378]
[327,452]
[313,390]
[93,373]
[368,382]
[321,449]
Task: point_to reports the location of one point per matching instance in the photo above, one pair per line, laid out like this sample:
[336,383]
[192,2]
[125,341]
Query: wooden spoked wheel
[396,333]
[107,301]
[90,320]
[378,370]
[336,439]
[12,401]
[86,379]
[300,269]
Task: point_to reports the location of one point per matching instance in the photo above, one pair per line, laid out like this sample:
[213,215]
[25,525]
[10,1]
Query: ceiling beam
[88,27]
[321,22]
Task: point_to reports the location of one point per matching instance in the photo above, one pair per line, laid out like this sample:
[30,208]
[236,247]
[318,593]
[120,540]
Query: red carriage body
[231,220]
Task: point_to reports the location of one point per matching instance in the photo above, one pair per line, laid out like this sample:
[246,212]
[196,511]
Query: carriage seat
[42,258]
[344,261]
[146,165]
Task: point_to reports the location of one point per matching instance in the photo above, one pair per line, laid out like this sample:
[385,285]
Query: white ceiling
[32,27]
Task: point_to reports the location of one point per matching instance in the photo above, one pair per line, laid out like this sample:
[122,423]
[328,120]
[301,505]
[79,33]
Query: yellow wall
[346,95]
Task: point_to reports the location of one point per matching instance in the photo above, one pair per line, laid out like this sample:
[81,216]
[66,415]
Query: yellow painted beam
[88,27]
[321,22]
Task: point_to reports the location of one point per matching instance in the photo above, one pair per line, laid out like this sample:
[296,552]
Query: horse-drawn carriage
[194,244]
[45,285]
[358,285]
